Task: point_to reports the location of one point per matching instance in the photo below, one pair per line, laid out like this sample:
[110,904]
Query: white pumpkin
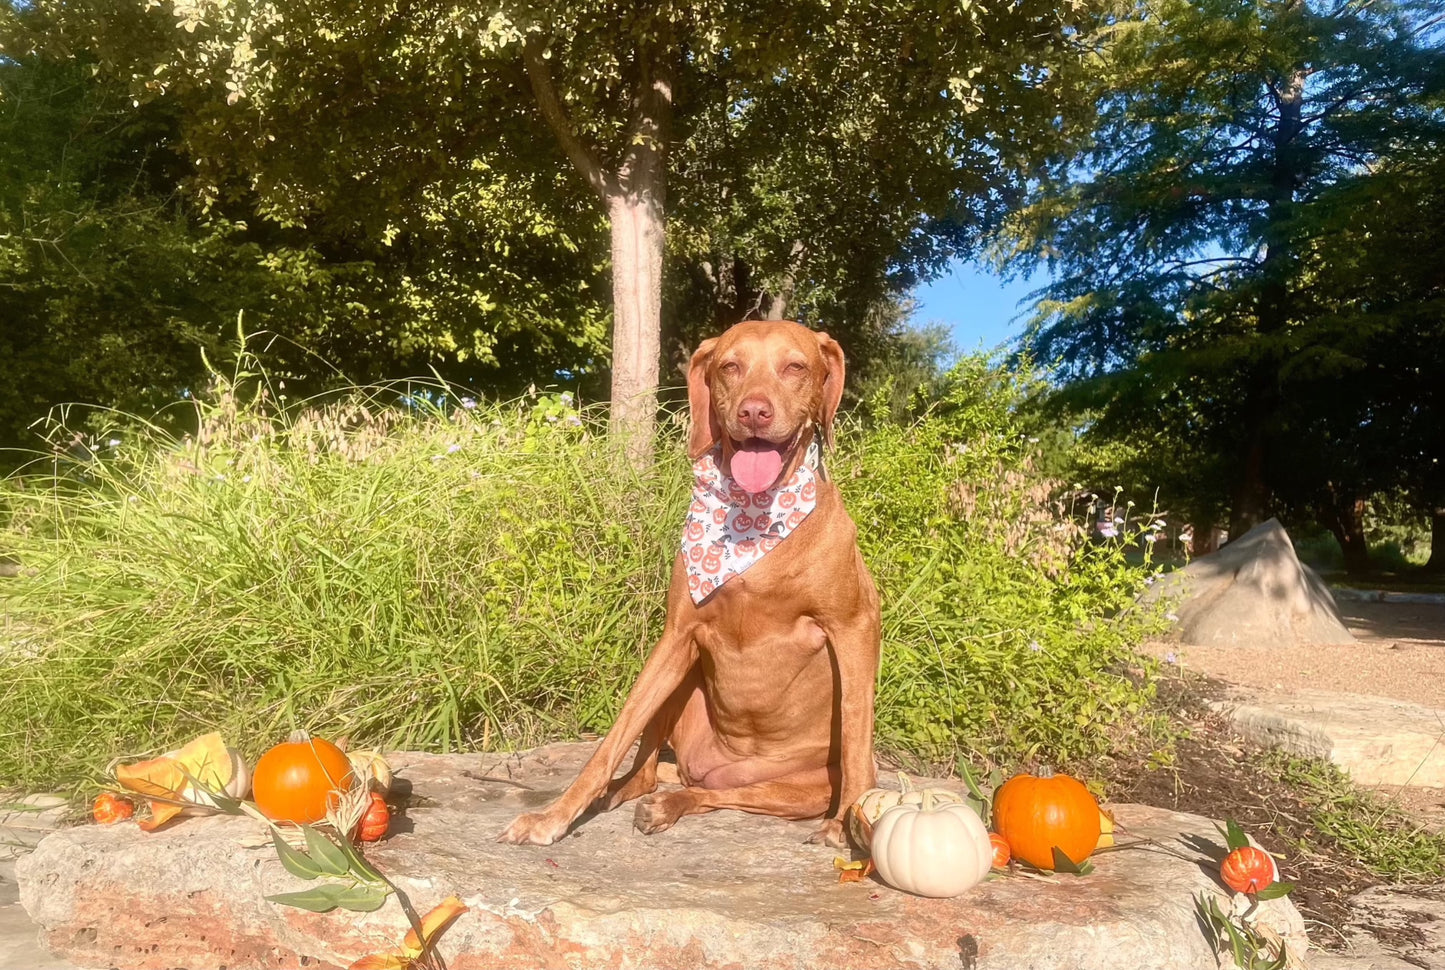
[871,805]
[237,787]
[933,848]
[372,767]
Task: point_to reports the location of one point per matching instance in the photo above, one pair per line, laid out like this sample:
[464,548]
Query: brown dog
[763,688]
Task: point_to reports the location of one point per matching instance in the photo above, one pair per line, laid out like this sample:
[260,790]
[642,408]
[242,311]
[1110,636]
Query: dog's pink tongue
[756,465]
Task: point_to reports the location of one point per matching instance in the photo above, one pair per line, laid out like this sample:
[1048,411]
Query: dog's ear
[832,384]
[704,431]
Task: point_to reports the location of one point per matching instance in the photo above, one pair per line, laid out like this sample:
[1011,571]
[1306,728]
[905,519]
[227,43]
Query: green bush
[450,576]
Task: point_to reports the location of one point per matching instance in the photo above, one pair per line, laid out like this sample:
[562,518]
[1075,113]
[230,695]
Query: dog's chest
[757,638]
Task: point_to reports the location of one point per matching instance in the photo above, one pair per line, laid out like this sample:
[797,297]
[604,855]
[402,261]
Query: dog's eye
[730,368]
[795,368]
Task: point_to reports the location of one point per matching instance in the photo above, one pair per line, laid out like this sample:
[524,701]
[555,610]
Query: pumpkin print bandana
[728,529]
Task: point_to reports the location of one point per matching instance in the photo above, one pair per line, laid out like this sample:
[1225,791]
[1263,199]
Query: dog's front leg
[665,669]
[856,650]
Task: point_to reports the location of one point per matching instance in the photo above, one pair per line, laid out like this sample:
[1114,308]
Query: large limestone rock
[1376,740]
[722,890]
[1253,591]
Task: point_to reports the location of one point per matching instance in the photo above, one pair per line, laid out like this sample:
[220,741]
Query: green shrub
[449,576]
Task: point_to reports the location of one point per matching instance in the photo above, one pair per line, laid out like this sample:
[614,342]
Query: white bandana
[728,529]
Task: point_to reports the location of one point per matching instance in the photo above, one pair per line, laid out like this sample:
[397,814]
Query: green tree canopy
[1189,235]
[814,155]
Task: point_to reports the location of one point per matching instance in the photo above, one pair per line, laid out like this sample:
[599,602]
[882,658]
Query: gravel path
[1400,654]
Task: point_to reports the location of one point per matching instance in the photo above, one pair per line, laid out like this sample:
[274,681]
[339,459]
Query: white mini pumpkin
[371,766]
[933,848]
[871,805]
[237,787]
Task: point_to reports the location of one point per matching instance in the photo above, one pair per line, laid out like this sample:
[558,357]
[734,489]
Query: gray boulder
[725,890]
[1254,591]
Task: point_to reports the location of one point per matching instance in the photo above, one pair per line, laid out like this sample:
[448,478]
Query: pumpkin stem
[904,785]
[1045,772]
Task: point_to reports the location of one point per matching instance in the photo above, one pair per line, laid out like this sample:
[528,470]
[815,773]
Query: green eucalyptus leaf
[324,853]
[1234,836]
[297,863]
[1275,890]
[362,899]
[359,867]
[1062,863]
[319,899]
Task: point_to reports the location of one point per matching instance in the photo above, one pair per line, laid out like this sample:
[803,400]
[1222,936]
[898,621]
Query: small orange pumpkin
[110,808]
[1001,851]
[299,781]
[1248,869]
[1035,813]
[374,823]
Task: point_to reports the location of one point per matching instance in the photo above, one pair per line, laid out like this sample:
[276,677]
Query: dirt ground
[1400,654]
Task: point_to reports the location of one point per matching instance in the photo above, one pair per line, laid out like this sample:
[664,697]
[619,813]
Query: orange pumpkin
[1035,813]
[374,823]
[1001,852]
[299,781]
[110,808]
[1248,870]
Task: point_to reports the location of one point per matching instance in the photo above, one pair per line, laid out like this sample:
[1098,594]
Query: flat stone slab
[721,890]
[1410,918]
[1376,740]
[19,946]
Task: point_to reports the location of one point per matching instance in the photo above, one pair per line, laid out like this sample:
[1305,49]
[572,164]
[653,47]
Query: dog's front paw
[534,828]
[830,833]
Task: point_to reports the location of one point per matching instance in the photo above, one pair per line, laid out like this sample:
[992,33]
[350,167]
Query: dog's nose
[756,414]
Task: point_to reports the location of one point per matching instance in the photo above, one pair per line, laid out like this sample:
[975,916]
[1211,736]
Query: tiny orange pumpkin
[1001,851]
[1248,869]
[110,808]
[376,820]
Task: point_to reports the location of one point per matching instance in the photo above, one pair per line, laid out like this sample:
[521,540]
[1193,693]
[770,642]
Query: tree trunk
[1436,563]
[1344,515]
[781,301]
[1249,504]
[1252,491]
[635,198]
[636,219]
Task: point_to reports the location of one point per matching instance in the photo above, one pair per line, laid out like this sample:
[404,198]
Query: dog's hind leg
[806,793]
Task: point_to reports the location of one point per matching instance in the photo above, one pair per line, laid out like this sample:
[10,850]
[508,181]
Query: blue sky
[979,307]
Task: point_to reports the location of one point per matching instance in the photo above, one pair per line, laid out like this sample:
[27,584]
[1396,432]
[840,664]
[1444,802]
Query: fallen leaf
[382,961]
[204,761]
[433,925]
[855,871]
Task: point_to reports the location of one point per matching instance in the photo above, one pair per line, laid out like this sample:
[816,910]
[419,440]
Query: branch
[652,117]
[556,116]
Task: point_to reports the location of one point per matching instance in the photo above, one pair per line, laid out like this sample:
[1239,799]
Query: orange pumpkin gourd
[374,823]
[1035,813]
[110,808]
[1248,870]
[1001,852]
[298,781]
